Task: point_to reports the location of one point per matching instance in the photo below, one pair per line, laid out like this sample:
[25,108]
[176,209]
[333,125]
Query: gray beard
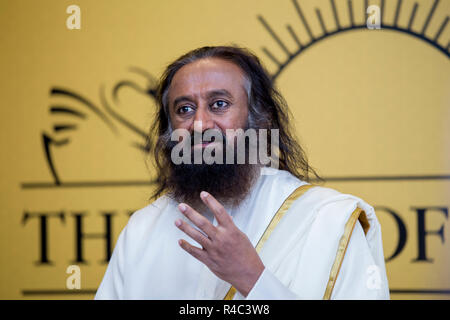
[228,183]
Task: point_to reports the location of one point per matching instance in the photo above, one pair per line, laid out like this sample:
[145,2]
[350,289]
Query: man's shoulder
[336,208]
[324,200]
[324,194]
[283,177]
[147,215]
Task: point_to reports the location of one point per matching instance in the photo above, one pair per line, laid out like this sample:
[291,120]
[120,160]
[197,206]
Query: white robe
[148,263]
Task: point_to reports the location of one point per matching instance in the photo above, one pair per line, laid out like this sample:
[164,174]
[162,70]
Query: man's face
[209,92]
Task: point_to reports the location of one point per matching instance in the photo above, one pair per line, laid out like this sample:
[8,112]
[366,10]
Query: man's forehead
[206,75]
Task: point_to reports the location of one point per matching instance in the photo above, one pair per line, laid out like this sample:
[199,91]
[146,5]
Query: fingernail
[203,194]
[182,207]
[180,242]
[178,222]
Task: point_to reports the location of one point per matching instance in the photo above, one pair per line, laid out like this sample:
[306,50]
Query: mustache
[196,137]
[210,136]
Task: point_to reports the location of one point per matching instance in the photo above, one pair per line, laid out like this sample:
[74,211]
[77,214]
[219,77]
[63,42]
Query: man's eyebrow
[209,95]
[219,92]
[182,98]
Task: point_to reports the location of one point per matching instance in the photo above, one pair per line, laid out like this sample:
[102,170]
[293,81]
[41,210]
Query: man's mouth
[203,144]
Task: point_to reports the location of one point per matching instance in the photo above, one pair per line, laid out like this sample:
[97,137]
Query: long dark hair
[267,110]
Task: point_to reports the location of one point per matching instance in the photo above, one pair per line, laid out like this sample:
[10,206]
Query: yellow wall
[372,109]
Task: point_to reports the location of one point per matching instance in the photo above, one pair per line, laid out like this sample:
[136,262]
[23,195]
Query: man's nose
[203,120]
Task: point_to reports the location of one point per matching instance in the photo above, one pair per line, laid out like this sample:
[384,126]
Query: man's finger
[198,220]
[197,253]
[222,216]
[201,239]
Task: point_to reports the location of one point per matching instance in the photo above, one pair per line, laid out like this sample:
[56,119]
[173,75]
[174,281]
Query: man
[198,239]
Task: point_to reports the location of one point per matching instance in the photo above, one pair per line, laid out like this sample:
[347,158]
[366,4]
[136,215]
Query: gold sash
[273,223]
[357,215]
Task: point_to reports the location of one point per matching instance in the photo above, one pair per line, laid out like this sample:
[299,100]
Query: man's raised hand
[226,251]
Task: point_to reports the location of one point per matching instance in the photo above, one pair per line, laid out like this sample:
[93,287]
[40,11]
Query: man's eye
[219,104]
[184,109]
